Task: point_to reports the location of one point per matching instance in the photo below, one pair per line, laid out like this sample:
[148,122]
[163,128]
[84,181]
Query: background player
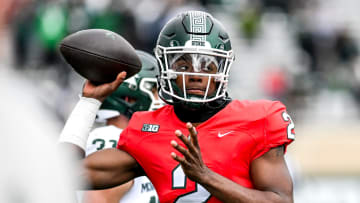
[235,153]
[138,93]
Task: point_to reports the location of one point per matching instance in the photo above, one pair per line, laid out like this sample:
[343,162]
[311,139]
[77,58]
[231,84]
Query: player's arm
[269,173]
[110,167]
[105,168]
[270,176]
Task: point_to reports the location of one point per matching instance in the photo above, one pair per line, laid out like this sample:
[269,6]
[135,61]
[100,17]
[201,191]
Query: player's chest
[221,149]
[225,151]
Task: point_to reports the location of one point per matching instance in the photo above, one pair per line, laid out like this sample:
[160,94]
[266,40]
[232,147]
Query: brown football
[99,55]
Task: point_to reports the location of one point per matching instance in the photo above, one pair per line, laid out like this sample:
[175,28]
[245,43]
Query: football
[99,55]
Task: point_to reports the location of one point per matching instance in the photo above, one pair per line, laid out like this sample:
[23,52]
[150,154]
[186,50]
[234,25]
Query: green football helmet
[200,38]
[137,93]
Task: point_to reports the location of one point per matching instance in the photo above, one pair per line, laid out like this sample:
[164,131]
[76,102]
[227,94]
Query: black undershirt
[201,114]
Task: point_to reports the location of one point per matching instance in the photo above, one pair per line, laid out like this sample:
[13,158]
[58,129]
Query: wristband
[80,122]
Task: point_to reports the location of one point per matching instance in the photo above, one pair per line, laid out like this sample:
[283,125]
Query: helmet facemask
[210,64]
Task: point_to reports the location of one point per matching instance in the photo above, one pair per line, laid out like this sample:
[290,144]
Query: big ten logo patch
[150,128]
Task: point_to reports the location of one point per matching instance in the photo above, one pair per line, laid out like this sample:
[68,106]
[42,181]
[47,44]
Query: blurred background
[304,53]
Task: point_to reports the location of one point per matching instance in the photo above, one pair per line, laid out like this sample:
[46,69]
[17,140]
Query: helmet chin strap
[199,112]
[197,105]
[193,106]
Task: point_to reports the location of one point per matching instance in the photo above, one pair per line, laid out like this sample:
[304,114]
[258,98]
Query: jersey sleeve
[128,136]
[122,139]
[278,129]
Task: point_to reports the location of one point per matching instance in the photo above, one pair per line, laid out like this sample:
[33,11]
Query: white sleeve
[80,122]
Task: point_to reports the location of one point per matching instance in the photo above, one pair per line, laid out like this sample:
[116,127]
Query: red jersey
[229,141]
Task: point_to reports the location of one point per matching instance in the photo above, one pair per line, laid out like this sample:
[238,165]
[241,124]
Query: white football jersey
[105,137]
[102,138]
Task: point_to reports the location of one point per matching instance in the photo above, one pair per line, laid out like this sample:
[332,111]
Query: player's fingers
[183,138]
[188,143]
[121,75]
[178,158]
[119,79]
[193,134]
[181,149]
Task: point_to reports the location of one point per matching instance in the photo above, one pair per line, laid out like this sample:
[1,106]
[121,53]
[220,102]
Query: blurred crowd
[320,51]
[322,40]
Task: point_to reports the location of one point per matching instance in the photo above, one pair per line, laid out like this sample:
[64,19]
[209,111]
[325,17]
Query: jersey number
[200,194]
[102,143]
[290,127]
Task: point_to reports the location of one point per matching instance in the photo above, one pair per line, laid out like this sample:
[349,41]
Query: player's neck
[197,116]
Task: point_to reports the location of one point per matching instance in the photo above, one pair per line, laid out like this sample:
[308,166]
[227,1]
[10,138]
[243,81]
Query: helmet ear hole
[174,43]
[132,87]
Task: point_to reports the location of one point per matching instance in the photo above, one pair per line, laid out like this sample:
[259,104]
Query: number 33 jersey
[229,141]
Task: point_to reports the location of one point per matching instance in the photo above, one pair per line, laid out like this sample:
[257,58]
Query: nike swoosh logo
[222,135]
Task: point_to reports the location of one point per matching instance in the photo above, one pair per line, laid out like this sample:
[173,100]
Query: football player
[204,146]
[138,93]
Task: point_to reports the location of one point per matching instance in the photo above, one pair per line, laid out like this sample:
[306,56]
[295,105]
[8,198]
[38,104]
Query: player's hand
[191,162]
[100,92]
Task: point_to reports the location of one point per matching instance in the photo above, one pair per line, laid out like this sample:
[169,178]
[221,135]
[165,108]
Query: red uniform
[229,141]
